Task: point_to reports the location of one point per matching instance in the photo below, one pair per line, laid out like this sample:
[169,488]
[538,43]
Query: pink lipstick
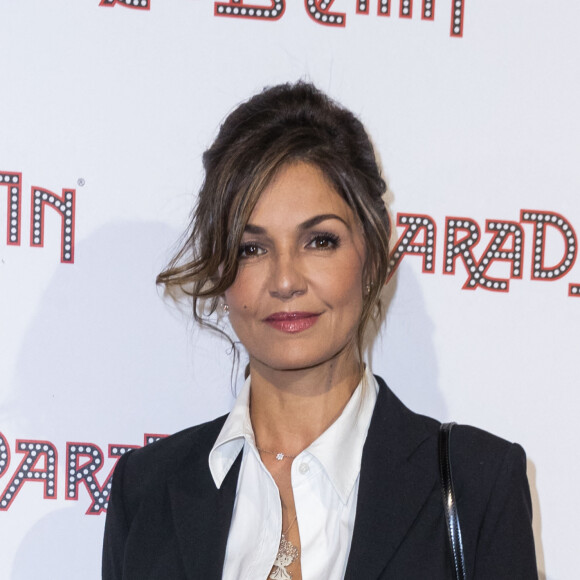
[292,322]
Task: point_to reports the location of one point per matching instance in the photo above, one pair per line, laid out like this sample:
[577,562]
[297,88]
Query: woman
[319,471]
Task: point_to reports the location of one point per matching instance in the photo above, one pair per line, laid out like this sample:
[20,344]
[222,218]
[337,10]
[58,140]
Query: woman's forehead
[295,194]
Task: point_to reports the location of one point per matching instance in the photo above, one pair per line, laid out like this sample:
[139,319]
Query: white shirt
[325,479]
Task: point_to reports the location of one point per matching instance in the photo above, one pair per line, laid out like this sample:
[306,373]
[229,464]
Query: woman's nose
[287,279]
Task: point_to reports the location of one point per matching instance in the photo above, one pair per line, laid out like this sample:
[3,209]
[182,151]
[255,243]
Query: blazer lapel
[398,472]
[202,513]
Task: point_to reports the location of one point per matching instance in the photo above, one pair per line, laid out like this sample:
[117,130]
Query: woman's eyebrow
[314,221]
[306,225]
[252,229]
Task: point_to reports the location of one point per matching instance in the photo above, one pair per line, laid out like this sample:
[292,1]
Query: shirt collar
[338,449]
[236,430]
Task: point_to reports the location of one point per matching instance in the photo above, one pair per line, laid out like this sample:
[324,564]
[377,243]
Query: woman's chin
[300,362]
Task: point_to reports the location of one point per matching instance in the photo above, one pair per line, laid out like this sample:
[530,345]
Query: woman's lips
[292,322]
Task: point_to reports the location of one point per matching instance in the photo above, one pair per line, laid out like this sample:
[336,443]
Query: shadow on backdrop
[404,351]
[104,349]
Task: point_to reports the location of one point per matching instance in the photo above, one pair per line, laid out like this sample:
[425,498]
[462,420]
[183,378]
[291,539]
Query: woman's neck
[290,409]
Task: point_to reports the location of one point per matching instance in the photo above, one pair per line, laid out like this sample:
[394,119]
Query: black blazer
[167,521]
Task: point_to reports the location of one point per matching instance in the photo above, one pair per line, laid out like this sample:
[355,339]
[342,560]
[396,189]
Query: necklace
[287,553]
[279,456]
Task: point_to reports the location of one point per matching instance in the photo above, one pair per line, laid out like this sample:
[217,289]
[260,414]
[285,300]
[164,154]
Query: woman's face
[298,295]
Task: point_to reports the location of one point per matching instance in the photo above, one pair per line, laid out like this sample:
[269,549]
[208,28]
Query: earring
[368,288]
[225,308]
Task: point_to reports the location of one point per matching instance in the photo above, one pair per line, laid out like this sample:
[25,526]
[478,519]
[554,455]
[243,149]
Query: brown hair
[282,124]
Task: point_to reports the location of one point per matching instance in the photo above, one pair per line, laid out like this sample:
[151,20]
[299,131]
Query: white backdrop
[105,110]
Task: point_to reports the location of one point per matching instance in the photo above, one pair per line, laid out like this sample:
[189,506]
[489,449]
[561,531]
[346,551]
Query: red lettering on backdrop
[383,7]
[462,235]
[468,230]
[544,221]
[496,251]
[84,461]
[428,11]
[415,226]
[241,9]
[461,247]
[457,13]
[29,470]
[319,11]
[136,4]
[406,9]
[4,455]
[13,183]
[65,206]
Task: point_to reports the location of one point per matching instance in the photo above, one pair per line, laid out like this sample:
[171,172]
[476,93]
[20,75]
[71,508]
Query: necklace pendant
[287,553]
[279,456]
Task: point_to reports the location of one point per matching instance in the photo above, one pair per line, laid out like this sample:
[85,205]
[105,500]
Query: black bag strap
[449,504]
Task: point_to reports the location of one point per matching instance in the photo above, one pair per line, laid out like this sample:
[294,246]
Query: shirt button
[304,469]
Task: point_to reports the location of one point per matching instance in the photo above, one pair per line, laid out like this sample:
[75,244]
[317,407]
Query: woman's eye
[324,242]
[250,250]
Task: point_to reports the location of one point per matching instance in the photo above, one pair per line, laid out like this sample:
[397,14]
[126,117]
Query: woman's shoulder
[481,460]
[476,454]
[487,469]
[158,461]
[473,441]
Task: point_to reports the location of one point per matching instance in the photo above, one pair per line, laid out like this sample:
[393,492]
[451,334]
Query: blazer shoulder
[148,466]
[494,504]
[473,450]
[479,458]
